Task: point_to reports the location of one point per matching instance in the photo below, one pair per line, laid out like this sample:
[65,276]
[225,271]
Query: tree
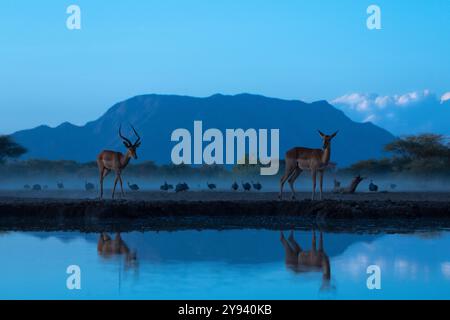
[421,154]
[10,149]
[424,146]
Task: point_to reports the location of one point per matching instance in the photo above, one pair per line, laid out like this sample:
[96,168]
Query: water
[236,264]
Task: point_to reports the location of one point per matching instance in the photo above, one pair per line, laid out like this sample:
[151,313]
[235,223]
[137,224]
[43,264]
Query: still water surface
[235,264]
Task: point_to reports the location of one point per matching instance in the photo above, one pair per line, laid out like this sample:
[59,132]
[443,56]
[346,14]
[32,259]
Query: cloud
[406,113]
[445,269]
[366,102]
[445,97]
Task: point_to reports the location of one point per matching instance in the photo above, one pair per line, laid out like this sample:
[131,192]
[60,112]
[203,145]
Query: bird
[37,187]
[133,187]
[89,186]
[373,187]
[60,185]
[181,187]
[166,187]
[337,185]
[235,186]
[247,186]
[257,186]
[211,186]
[27,187]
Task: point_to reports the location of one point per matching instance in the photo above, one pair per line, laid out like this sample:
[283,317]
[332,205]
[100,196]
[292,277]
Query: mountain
[156,116]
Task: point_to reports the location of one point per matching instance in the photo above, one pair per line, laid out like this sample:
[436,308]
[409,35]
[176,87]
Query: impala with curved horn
[108,161]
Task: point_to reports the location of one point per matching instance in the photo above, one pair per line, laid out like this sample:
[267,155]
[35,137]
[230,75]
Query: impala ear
[321,133]
[334,134]
[126,144]
[137,145]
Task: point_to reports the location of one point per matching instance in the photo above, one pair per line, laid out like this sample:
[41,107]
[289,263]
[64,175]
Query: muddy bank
[126,215]
[149,195]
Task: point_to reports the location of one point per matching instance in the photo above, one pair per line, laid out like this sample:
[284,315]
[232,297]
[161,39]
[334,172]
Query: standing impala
[299,159]
[111,160]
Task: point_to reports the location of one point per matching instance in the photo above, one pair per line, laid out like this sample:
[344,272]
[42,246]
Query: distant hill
[156,116]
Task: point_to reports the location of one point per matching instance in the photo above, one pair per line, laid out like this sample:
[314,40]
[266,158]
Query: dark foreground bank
[90,215]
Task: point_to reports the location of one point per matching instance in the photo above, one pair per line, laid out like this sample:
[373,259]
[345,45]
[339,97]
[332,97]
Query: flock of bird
[180,187]
[35,187]
[183,186]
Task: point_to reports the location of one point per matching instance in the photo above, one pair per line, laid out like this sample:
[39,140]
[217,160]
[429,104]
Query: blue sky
[307,50]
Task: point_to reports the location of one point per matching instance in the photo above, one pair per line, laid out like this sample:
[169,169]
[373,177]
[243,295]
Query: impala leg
[290,253]
[320,183]
[121,185]
[321,242]
[103,174]
[313,245]
[294,243]
[314,175]
[283,181]
[101,182]
[292,179]
[115,184]
[100,243]
[287,173]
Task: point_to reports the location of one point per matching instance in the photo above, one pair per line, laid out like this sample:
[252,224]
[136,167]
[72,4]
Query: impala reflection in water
[314,260]
[230,264]
[108,247]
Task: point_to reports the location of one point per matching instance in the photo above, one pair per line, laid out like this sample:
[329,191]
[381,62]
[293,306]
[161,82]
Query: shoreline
[19,213]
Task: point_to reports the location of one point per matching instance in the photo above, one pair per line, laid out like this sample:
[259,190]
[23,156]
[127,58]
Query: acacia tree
[424,146]
[420,154]
[10,149]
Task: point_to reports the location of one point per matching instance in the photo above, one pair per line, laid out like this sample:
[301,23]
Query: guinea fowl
[166,187]
[89,186]
[337,185]
[257,186]
[247,186]
[393,186]
[373,187]
[60,185]
[37,187]
[211,186]
[235,186]
[181,187]
[133,187]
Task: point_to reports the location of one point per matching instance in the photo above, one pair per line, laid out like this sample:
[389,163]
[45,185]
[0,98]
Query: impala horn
[125,140]
[137,135]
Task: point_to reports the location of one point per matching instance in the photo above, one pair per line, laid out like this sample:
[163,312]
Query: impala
[299,159]
[108,161]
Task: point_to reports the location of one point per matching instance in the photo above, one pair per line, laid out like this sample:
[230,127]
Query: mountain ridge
[156,116]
